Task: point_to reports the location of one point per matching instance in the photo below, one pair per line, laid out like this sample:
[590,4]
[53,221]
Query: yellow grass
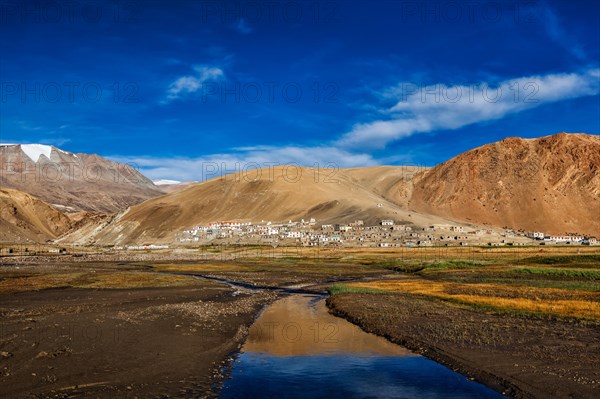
[556,301]
[466,252]
[199,267]
[92,280]
[276,266]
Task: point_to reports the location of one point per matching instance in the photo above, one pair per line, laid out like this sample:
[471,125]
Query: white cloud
[435,107]
[191,84]
[417,110]
[241,159]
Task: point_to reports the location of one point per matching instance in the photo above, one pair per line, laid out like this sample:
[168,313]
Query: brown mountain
[24,218]
[393,183]
[73,182]
[276,194]
[549,184]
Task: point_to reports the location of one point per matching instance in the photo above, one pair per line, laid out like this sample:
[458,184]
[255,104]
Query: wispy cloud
[416,110]
[242,159]
[192,83]
[57,142]
[555,31]
[242,27]
[436,107]
[49,135]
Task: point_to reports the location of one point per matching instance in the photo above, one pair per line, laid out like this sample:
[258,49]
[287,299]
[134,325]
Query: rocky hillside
[549,184]
[73,182]
[24,218]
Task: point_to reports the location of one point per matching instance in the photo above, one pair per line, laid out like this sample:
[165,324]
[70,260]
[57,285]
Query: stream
[296,349]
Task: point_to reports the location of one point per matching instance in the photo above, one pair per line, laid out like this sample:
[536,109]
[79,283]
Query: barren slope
[394,183]
[171,188]
[277,194]
[26,218]
[549,184]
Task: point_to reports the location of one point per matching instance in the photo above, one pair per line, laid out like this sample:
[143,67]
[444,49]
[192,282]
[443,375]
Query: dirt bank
[148,342]
[524,358]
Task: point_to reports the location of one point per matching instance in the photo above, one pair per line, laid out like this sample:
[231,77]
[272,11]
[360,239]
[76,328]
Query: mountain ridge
[550,184]
[328,199]
[73,181]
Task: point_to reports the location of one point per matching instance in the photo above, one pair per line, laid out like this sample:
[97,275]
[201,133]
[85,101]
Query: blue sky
[174,86]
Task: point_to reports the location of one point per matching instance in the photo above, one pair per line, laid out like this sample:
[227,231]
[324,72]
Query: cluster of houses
[561,239]
[387,233]
[141,247]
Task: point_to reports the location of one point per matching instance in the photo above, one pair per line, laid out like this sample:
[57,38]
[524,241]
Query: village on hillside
[387,233]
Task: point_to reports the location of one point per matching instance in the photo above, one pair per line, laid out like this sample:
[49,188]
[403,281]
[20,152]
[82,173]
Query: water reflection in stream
[296,349]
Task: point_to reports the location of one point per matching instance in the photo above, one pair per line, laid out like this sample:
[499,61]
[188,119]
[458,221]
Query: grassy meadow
[562,285]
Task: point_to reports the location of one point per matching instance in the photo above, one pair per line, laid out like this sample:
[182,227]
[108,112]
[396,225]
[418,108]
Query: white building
[538,235]
[566,238]
[294,234]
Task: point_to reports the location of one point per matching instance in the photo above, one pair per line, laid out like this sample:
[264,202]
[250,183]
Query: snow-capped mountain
[72,181]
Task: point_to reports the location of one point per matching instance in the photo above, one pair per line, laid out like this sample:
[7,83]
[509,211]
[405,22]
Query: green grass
[553,272]
[418,266]
[452,264]
[562,259]
[345,289]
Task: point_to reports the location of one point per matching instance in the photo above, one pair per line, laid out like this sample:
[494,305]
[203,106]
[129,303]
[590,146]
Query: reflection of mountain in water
[300,325]
[297,350]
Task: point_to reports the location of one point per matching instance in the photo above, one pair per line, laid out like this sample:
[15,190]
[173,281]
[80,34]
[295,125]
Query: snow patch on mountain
[35,151]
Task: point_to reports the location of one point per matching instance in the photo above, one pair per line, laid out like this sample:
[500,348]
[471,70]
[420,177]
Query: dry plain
[524,321]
